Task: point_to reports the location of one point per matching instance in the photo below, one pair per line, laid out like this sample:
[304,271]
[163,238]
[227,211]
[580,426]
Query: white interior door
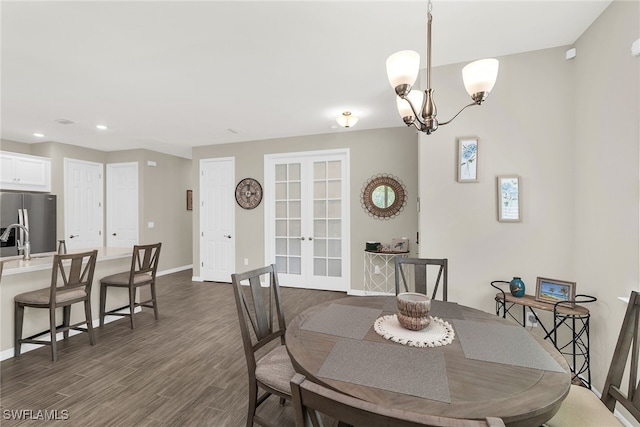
[217,219]
[83,198]
[122,205]
[307,218]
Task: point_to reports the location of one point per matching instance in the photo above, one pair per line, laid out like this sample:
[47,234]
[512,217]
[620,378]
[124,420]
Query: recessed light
[38,134]
[101,127]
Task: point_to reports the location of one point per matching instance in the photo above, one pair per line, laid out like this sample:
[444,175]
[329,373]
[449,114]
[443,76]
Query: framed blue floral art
[509,199]
[468,159]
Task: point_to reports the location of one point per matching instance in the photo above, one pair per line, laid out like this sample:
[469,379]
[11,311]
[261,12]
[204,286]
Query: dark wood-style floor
[185,369]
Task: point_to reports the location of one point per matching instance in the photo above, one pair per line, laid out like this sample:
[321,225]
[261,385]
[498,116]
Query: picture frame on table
[467,159]
[509,198]
[553,290]
[400,245]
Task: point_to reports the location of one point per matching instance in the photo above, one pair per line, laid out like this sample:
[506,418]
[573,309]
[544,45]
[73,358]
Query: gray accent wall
[391,151]
[162,193]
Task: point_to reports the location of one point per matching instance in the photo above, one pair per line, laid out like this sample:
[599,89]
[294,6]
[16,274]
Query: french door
[307,218]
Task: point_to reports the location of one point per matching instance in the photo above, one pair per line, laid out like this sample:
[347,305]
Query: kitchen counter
[20,276]
[44,261]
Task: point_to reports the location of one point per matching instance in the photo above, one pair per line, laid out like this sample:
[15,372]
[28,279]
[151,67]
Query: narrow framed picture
[189,200]
[509,198]
[553,291]
[468,159]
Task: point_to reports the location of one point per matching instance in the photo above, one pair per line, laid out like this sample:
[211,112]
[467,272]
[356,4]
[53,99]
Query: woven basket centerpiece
[413,310]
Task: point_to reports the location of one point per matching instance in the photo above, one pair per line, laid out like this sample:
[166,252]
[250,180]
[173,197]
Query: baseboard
[174,270]
[362,293]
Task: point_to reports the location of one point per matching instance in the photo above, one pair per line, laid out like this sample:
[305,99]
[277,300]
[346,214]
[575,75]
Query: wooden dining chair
[582,407]
[71,280]
[260,308]
[311,399]
[406,268]
[144,266]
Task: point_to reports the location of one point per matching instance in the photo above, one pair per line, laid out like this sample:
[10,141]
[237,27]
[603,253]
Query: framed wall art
[509,198]
[189,200]
[553,291]
[468,159]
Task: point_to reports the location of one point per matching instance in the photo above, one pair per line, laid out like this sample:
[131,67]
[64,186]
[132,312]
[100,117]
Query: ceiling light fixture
[38,134]
[347,120]
[101,127]
[402,71]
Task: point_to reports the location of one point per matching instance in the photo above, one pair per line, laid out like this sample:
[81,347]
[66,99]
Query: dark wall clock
[248,193]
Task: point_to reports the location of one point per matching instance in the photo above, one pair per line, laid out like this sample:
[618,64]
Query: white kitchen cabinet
[24,172]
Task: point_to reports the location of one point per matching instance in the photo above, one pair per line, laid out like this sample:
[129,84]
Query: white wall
[570,130]
[606,163]
[524,128]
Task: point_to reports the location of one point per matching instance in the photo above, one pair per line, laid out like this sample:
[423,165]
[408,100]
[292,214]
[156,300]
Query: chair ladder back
[400,277]
[420,278]
[420,270]
[145,259]
[261,321]
[75,276]
[627,345]
[260,310]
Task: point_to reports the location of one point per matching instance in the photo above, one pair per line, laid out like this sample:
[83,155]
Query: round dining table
[468,386]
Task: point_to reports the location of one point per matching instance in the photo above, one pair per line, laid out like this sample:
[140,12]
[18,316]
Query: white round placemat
[438,333]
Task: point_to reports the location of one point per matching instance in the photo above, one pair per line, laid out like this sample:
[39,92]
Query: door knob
[310,238]
[302,238]
[73,235]
[113,234]
[228,236]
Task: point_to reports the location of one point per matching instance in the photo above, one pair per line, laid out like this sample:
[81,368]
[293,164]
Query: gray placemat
[343,320]
[511,345]
[415,371]
[445,310]
[442,309]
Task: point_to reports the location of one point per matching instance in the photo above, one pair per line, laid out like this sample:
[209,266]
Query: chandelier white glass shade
[419,109]
[347,119]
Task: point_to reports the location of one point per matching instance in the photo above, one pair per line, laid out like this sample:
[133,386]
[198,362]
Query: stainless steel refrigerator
[35,210]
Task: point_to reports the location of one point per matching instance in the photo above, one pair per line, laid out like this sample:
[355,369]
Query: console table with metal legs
[567,315]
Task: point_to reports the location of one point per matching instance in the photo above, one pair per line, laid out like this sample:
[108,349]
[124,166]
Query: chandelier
[402,71]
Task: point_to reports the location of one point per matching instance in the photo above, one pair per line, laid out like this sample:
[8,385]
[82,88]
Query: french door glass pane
[288,218]
[319,228]
[320,247]
[327,213]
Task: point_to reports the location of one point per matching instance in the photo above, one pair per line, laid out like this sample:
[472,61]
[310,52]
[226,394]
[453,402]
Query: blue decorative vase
[516,286]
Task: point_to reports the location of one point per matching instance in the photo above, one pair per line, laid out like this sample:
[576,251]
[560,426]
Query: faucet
[26,247]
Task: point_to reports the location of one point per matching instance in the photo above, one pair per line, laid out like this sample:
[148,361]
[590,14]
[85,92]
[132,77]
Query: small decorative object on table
[373,246]
[553,291]
[400,245]
[516,286]
[413,310]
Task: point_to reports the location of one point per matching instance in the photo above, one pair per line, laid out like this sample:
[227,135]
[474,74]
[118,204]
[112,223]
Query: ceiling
[171,75]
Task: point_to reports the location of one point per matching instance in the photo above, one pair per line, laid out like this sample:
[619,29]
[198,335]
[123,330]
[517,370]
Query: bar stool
[144,264]
[75,273]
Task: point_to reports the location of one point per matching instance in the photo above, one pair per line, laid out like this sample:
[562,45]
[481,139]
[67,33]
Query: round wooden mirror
[383,196]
